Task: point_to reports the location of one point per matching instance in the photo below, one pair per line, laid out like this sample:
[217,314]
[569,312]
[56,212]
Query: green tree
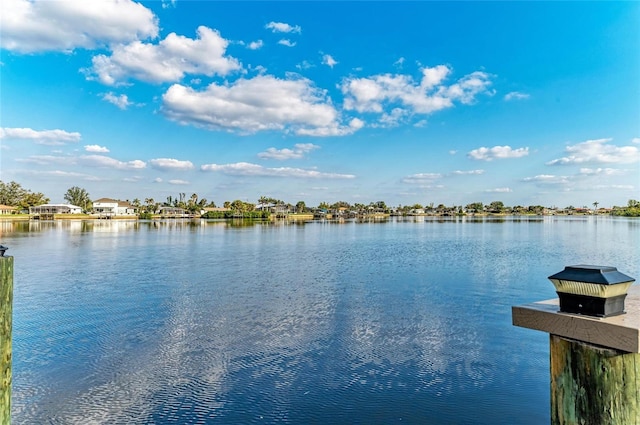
[11,193]
[31,199]
[496,207]
[476,206]
[301,207]
[79,197]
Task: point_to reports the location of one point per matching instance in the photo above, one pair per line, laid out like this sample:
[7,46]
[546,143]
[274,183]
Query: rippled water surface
[400,321]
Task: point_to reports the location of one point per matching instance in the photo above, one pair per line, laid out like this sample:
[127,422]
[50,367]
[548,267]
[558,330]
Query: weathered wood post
[6,313]
[594,346]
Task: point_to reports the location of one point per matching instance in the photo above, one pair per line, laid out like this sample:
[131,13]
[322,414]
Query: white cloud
[255,45]
[636,140]
[514,95]
[248,169]
[329,61]
[45,137]
[399,62]
[499,190]
[393,118]
[469,172]
[35,26]
[282,27]
[49,159]
[166,164]
[257,104]
[600,171]
[107,162]
[167,61]
[497,152]
[333,130]
[96,148]
[304,65]
[60,173]
[287,42]
[178,182]
[421,123]
[157,180]
[169,4]
[598,152]
[430,94]
[422,178]
[547,179]
[298,152]
[121,101]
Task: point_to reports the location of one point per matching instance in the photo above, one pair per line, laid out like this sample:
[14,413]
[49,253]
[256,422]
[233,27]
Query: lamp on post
[597,291]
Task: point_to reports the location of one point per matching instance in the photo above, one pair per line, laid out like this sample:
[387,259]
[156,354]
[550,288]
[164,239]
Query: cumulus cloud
[497,152]
[257,104]
[45,137]
[598,151]
[636,140]
[283,27]
[255,45]
[514,95]
[36,26]
[298,152]
[121,101]
[167,61]
[329,61]
[287,42]
[178,182]
[96,148]
[381,92]
[107,162]
[248,169]
[166,164]
[499,190]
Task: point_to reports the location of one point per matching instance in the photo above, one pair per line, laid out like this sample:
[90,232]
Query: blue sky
[408,102]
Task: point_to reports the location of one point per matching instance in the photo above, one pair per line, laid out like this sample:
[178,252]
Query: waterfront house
[47,211]
[172,212]
[106,207]
[6,209]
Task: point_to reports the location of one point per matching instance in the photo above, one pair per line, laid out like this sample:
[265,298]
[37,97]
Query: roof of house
[113,201]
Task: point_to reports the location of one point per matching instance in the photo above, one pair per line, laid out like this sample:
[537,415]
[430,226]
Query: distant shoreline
[293,217]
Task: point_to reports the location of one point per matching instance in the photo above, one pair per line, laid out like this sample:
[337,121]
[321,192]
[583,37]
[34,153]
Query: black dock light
[2,250]
[591,290]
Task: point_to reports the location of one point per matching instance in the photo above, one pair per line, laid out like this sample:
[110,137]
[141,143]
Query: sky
[528,103]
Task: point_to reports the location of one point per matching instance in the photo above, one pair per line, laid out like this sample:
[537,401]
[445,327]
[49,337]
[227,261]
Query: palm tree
[595,205]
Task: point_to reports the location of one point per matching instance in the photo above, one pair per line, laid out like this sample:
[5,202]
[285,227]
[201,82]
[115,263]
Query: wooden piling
[592,384]
[594,362]
[6,313]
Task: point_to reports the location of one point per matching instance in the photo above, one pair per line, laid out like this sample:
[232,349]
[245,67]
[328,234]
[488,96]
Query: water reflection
[325,322]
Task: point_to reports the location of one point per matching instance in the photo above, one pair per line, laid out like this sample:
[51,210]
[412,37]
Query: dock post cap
[591,290]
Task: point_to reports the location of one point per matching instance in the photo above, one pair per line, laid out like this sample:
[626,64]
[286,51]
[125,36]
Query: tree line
[13,194]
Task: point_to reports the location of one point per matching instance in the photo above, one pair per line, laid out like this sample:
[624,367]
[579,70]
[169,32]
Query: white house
[55,209]
[112,207]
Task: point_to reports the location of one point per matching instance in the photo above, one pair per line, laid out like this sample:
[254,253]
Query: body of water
[396,321]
